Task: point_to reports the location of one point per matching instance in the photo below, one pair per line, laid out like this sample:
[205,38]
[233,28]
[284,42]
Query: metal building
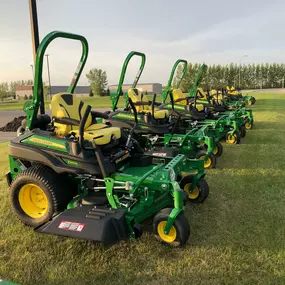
[150,88]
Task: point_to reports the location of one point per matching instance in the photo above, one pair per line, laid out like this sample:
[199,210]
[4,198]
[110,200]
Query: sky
[213,32]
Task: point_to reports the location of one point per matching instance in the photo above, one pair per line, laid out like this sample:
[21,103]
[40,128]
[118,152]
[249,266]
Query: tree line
[9,89]
[251,76]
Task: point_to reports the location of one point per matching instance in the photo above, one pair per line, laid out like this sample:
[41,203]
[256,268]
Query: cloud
[213,32]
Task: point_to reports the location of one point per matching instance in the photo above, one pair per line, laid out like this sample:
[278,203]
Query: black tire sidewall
[220,149]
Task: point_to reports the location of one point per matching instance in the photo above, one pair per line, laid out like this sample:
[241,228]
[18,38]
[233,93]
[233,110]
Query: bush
[26,97]
[30,97]
[108,92]
[91,93]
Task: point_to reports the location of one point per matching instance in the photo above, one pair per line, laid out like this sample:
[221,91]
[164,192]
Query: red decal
[70,226]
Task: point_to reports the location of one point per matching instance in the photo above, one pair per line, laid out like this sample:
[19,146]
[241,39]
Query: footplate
[99,224]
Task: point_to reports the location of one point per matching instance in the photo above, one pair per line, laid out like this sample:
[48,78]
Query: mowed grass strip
[237,235]
[95,102]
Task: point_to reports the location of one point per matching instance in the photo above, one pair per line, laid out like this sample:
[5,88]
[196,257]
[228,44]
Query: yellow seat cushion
[95,127]
[65,105]
[160,114]
[200,107]
[136,96]
[106,133]
[202,94]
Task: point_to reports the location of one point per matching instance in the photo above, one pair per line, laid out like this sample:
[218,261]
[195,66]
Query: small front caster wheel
[200,192]
[233,139]
[249,125]
[218,149]
[179,232]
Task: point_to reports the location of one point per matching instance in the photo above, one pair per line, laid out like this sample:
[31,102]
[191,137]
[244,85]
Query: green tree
[4,91]
[91,93]
[98,81]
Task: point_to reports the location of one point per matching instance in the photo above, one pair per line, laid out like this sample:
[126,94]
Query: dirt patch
[13,125]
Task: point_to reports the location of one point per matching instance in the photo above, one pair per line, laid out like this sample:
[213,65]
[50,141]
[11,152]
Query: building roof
[137,84]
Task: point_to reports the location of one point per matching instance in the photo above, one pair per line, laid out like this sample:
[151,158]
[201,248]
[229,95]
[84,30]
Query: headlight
[172,175]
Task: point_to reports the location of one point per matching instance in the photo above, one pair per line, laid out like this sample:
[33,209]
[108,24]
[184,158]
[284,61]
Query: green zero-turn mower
[234,95]
[220,126]
[73,176]
[216,101]
[220,99]
[154,129]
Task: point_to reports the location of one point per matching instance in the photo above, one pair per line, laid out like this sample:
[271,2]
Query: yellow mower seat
[135,95]
[178,94]
[217,95]
[66,105]
[232,91]
[202,94]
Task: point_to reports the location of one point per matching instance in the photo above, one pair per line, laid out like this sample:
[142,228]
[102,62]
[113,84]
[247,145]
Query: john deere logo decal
[47,143]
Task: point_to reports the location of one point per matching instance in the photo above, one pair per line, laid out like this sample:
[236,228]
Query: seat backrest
[136,96]
[178,94]
[214,92]
[202,94]
[66,105]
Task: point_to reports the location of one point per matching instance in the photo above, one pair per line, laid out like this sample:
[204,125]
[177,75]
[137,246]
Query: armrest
[155,103]
[141,103]
[96,114]
[67,121]
[181,99]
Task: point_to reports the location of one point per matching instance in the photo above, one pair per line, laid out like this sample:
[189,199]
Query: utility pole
[35,40]
[47,55]
[240,68]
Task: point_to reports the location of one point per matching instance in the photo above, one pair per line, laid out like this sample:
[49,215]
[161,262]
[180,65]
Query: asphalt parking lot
[5,117]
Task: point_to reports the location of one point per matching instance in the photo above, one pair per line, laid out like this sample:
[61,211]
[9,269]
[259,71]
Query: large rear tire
[36,194]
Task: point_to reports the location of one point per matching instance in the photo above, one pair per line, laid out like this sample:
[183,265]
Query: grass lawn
[238,234]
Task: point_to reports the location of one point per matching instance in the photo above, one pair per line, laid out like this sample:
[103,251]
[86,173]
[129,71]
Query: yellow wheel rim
[170,237]
[194,195]
[33,201]
[232,139]
[207,163]
[248,126]
[215,150]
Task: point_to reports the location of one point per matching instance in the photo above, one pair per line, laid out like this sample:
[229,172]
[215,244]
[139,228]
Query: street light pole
[239,68]
[47,55]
